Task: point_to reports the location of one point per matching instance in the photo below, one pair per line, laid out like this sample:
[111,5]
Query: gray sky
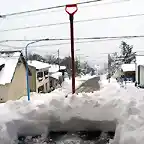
[113,27]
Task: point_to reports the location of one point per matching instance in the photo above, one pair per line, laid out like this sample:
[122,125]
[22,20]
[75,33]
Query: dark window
[46,74]
[40,76]
[2,66]
[46,86]
[19,62]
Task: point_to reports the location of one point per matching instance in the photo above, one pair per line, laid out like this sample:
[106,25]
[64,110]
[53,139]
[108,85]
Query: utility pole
[59,59]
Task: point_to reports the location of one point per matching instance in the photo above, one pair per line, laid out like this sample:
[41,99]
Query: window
[46,74]
[40,76]
[41,89]
[2,66]
[19,61]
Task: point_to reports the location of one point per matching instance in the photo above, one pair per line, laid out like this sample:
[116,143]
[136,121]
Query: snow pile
[111,103]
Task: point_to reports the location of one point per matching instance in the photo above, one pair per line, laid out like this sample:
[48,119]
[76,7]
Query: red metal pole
[72,52]
[71,15]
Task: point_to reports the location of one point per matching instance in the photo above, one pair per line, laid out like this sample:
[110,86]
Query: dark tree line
[81,67]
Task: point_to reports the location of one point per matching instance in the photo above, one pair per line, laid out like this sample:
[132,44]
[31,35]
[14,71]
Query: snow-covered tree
[127,54]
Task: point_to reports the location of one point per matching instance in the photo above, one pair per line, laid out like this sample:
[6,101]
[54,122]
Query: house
[12,75]
[55,80]
[56,75]
[39,81]
[140,70]
[129,71]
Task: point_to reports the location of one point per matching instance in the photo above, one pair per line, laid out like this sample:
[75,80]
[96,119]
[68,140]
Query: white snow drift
[111,103]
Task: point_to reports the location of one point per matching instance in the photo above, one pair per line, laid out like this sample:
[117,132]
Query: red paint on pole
[71,15]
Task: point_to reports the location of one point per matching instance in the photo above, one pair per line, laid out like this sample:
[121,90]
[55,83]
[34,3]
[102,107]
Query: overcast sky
[111,27]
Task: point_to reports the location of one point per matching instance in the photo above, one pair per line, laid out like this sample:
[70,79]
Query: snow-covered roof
[8,63]
[128,67]
[140,59]
[55,68]
[38,64]
[56,75]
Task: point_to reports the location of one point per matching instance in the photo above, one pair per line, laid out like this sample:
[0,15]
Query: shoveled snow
[111,103]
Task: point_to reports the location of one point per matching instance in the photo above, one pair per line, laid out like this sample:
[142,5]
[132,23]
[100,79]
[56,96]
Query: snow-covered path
[111,103]
[90,85]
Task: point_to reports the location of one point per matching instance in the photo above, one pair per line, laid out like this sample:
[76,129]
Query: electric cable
[83,40]
[78,21]
[98,4]
[43,9]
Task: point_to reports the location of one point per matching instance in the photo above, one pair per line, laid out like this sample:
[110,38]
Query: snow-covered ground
[111,103]
[62,91]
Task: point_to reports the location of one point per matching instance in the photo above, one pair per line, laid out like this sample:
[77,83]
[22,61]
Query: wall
[17,88]
[32,79]
[4,92]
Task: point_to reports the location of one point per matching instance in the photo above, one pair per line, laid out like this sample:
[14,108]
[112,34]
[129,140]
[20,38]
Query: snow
[56,75]
[41,65]
[111,103]
[128,67]
[38,64]
[55,68]
[140,60]
[6,74]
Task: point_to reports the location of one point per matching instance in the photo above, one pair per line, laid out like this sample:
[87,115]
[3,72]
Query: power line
[29,40]
[99,4]
[83,40]
[80,38]
[78,21]
[43,9]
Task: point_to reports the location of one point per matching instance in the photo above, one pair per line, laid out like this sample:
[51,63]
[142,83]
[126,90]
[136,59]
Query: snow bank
[124,106]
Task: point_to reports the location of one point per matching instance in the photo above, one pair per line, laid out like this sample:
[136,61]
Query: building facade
[39,81]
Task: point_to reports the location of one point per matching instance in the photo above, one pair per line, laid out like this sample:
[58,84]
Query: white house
[56,75]
[39,81]
[12,75]
[129,71]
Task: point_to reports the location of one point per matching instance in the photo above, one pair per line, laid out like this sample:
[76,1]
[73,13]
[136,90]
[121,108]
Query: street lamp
[74,9]
[26,56]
